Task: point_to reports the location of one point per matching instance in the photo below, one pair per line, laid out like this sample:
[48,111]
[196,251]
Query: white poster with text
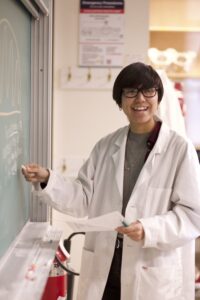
[101,33]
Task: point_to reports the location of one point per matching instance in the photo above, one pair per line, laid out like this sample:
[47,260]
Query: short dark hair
[137,75]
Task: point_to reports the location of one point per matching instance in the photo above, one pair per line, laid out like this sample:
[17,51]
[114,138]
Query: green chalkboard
[15,98]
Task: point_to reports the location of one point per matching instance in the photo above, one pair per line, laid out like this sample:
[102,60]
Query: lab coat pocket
[161,283]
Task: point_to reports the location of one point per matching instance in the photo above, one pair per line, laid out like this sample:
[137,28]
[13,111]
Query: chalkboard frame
[41,95]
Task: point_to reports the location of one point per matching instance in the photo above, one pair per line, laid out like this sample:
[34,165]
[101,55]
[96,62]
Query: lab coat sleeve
[182,223]
[71,196]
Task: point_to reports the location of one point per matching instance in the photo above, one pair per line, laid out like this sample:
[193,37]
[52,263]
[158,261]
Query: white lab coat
[166,199]
[169,109]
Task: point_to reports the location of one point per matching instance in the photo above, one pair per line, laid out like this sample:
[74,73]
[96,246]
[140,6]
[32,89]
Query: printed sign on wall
[101,33]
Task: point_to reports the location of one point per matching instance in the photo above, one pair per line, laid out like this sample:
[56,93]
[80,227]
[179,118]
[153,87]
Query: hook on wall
[69,75]
[64,166]
[109,77]
[74,77]
[89,75]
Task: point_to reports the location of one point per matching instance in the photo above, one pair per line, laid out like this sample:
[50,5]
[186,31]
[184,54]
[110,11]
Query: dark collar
[153,138]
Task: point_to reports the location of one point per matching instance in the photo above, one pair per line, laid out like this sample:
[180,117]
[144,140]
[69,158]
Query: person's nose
[140,96]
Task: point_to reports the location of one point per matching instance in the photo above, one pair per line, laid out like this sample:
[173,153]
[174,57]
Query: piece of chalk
[30,275]
[125,223]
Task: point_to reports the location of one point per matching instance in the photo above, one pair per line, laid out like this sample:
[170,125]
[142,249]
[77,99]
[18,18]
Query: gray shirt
[136,149]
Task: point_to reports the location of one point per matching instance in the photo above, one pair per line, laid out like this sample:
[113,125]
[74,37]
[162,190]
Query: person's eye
[133,91]
[151,90]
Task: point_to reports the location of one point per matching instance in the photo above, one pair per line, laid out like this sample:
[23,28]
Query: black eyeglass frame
[142,90]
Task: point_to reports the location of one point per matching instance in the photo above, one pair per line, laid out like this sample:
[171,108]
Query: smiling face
[138,89]
[140,110]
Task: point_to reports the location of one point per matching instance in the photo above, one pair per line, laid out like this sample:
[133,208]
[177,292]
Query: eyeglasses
[146,92]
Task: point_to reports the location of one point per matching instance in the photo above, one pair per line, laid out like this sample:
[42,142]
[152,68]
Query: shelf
[180,31]
[182,42]
[174,15]
[183,76]
[174,29]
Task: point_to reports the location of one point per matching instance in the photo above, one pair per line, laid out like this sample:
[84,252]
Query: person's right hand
[35,173]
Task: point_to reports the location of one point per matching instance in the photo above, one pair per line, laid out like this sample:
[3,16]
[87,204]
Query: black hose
[67,245]
[65,268]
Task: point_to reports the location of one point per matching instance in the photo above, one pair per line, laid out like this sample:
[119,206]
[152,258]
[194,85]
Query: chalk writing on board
[10,100]
[15,100]
[10,67]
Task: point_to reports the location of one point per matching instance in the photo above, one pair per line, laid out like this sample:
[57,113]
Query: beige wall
[81,117]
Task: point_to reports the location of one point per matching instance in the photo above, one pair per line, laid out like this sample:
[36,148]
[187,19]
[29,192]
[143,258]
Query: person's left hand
[134,231]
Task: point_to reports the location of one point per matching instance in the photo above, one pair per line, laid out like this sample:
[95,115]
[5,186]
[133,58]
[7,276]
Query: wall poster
[101,33]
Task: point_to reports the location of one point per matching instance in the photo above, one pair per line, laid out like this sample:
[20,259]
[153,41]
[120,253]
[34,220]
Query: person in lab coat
[149,173]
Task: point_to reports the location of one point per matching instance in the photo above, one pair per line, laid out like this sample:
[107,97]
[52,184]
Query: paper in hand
[107,222]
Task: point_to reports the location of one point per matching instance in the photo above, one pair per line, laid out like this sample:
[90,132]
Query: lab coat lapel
[118,158]
[147,169]
[159,147]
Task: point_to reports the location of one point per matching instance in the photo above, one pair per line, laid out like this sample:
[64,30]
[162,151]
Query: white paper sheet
[107,222]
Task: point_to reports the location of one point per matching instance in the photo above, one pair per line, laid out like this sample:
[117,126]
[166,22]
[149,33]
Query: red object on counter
[56,285]
[179,91]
